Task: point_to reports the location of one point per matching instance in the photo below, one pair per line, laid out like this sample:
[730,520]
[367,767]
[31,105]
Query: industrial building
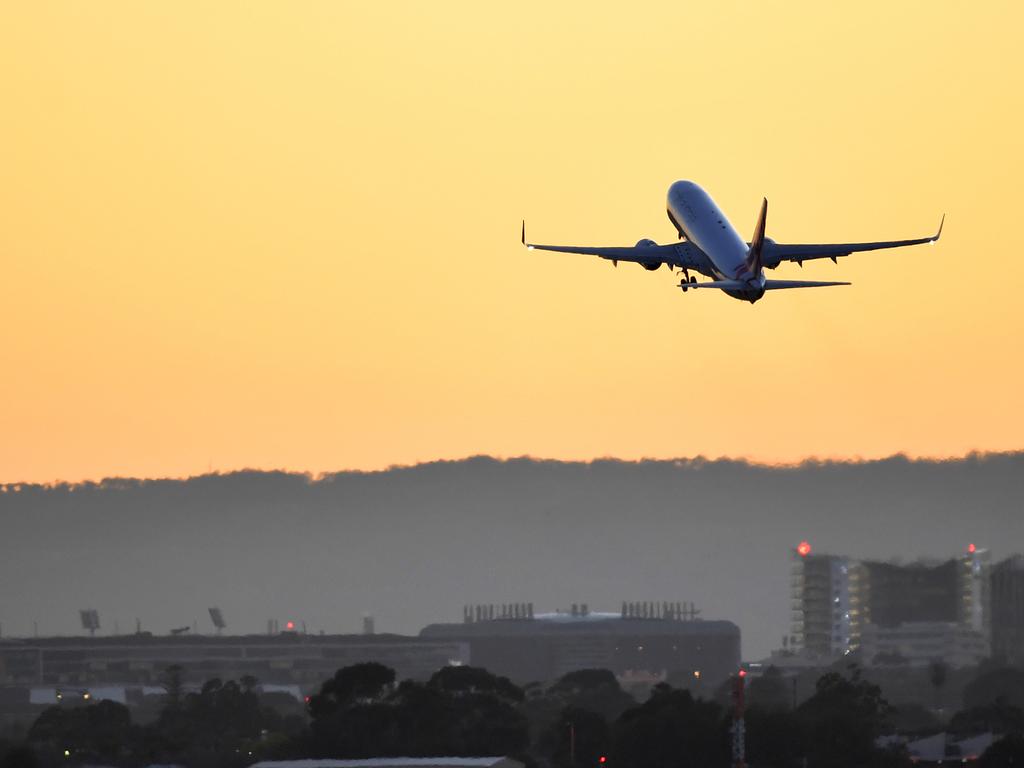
[654,639]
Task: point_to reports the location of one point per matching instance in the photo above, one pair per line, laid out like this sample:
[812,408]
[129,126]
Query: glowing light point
[803,549]
[971,548]
[602,759]
[290,625]
[743,673]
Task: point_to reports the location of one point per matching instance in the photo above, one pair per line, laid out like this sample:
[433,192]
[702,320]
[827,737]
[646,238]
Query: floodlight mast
[90,620]
[217,617]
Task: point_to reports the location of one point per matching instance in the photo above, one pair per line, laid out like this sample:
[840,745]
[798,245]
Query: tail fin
[757,241]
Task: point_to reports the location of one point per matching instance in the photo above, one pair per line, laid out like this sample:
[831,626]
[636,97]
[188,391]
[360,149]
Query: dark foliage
[1004,684]
[99,732]
[466,711]
[841,721]
[461,711]
[774,739]
[770,692]
[578,737]
[358,684]
[222,724]
[18,757]
[596,690]
[472,680]
[1008,752]
[998,717]
[671,730]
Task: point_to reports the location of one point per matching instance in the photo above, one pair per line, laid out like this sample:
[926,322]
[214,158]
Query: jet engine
[650,266]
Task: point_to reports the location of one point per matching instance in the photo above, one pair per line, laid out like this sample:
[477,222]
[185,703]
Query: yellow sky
[286,235]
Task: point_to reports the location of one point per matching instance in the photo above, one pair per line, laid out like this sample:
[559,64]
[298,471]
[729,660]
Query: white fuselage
[702,222]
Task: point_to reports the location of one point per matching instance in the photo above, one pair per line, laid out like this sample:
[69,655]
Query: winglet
[529,246]
[939,233]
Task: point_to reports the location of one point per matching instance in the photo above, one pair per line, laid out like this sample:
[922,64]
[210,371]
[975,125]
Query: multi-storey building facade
[1006,596]
[837,601]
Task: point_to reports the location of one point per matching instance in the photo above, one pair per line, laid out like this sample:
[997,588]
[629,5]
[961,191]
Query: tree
[998,717]
[576,739]
[357,684]
[18,757]
[459,680]
[100,731]
[172,682]
[841,721]
[597,690]
[1008,751]
[461,711]
[770,692]
[914,719]
[774,738]
[1005,683]
[221,725]
[670,730]
[937,674]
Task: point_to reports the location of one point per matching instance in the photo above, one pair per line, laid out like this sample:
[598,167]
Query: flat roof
[147,639]
[561,624]
[397,762]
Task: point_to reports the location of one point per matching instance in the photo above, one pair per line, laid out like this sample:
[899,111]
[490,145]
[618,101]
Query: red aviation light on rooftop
[803,548]
[971,548]
[290,626]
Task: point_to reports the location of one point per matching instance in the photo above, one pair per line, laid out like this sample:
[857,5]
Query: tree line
[583,720]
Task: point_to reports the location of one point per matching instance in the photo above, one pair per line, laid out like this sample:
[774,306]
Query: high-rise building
[826,603]
[837,600]
[1006,598]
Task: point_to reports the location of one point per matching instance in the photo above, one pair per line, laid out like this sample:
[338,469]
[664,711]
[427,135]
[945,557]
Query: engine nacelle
[650,266]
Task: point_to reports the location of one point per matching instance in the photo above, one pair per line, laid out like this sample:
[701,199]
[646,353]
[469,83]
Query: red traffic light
[602,759]
[803,548]
[743,673]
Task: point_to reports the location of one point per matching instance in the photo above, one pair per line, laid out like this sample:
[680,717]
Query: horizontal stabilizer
[778,285]
[725,285]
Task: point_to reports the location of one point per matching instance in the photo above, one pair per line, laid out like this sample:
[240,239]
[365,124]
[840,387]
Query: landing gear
[687,281]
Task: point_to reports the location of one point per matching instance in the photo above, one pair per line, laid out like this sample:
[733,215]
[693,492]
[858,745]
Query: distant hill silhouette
[411,545]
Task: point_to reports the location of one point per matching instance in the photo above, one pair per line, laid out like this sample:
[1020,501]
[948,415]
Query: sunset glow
[277,235]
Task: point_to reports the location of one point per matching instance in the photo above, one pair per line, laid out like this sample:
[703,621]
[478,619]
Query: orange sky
[286,235]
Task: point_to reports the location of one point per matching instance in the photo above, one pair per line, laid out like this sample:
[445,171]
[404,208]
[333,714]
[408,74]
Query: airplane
[711,247]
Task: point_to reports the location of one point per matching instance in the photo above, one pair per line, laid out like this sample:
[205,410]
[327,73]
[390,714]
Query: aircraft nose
[681,186]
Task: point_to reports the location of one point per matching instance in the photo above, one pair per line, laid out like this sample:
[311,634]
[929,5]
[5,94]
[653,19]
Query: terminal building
[652,640]
[285,658]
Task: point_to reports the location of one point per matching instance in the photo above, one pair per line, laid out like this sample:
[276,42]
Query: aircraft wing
[769,285]
[683,254]
[776,253]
